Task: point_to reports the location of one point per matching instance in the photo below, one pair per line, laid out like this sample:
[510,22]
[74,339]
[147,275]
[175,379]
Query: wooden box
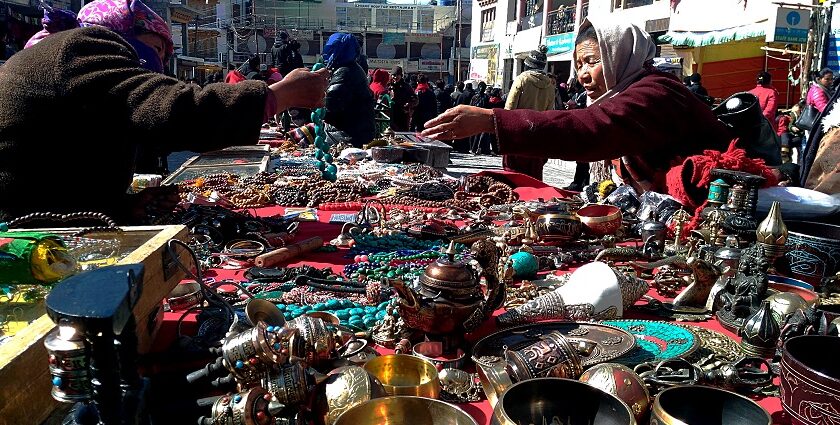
[24,375]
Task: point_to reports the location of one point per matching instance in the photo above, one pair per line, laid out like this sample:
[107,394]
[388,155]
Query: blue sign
[792,26]
[560,43]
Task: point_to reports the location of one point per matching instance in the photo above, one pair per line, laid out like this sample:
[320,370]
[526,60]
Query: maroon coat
[654,123]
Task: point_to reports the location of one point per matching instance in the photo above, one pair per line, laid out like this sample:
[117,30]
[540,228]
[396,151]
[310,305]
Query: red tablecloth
[481,411]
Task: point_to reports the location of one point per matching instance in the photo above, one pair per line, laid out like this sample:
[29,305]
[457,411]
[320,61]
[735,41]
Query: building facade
[420,38]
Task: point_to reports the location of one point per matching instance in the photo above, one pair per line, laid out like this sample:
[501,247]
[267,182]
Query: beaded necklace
[325,160]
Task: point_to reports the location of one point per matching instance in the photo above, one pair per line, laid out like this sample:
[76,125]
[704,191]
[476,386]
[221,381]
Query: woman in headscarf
[96,80]
[647,118]
[349,101]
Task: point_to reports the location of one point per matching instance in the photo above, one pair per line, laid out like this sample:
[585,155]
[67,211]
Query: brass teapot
[450,301]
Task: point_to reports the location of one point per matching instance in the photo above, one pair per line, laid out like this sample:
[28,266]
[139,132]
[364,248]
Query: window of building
[488,19]
[531,7]
[627,4]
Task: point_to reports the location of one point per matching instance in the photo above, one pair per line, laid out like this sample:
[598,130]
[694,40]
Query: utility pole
[458,7]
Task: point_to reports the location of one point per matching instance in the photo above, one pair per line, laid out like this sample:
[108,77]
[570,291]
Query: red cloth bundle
[689,183]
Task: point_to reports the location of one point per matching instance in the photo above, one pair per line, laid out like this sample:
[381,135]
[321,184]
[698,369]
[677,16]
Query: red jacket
[654,123]
[767,99]
[234,77]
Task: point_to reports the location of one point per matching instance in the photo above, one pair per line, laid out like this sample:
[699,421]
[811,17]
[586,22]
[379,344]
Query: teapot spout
[407,295]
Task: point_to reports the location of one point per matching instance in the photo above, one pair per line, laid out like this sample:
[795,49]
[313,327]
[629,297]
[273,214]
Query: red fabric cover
[234,77]
[656,122]
[689,182]
[767,98]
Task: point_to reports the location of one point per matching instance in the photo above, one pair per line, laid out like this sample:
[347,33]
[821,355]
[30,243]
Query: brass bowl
[402,374]
[404,410]
[543,400]
[599,219]
[699,405]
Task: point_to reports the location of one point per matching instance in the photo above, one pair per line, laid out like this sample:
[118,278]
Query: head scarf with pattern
[129,18]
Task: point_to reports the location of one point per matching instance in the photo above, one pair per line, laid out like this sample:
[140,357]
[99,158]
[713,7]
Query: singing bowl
[541,400]
[403,410]
[622,382]
[698,405]
[813,251]
[599,219]
[810,379]
[402,374]
[558,227]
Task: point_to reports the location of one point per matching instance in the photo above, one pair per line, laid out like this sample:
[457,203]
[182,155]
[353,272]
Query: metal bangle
[185,301]
[425,348]
[243,248]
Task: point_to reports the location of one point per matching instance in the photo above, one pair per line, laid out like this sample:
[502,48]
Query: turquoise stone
[288,316]
[357,311]
[319,154]
[525,265]
[343,314]
[328,157]
[319,307]
[380,315]
[320,140]
[305,308]
[383,304]
[332,169]
[333,304]
[355,318]
[370,322]
[319,128]
[281,307]
[370,310]
[321,165]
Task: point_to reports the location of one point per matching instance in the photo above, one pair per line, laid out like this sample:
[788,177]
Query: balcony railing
[561,20]
[530,21]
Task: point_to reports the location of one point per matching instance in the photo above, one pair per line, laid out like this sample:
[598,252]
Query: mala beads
[367,243]
[325,160]
[349,313]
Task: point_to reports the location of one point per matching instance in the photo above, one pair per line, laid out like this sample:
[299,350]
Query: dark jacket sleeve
[159,108]
[652,114]
[339,93]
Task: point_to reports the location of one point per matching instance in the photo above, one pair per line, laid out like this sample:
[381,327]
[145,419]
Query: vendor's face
[590,69]
[155,42]
[827,80]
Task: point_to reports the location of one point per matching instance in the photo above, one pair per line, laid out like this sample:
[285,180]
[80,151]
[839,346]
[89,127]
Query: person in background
[459,88]
[697,88]
[379,86]
[533,89]
[687,80]
[562,96]
[404,101]
[349,101]
[820,90]
[278,52]
[104,70]
[443,96]
[426,104]
[767,95]
[466,95]
[480,99]
[647,118]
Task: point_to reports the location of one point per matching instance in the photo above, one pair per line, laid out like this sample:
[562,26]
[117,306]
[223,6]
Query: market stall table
[482,410]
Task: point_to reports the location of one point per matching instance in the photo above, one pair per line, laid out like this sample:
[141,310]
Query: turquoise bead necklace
[324,160]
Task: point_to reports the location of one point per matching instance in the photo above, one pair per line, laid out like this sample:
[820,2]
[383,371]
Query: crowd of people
[618,106]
